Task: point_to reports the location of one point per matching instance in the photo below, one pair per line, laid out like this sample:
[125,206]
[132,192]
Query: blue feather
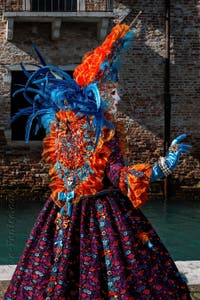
[25,70]
[39,55]
[48,89]
[22,112]
[110,67]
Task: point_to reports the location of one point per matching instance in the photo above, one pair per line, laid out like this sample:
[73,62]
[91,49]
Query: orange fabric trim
[136,188]
[53,153]
[87,71]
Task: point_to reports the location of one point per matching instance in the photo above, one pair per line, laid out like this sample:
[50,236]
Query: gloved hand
[166,165]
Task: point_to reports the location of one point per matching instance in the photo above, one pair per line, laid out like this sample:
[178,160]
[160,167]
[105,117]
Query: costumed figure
[91,240]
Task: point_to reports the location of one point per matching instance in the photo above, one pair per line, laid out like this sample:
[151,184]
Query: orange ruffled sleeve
[134,182]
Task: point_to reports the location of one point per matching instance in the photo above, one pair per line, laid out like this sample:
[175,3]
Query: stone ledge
[56,19]
[82,14]
[189,269]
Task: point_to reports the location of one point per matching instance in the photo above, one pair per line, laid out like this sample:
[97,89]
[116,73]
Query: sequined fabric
[108,250]
[76,166]
[103,256]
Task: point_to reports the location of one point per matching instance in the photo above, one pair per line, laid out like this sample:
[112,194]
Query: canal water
[177,222]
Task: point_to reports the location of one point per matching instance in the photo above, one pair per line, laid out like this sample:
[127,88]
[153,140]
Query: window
[18,102]
[54,5]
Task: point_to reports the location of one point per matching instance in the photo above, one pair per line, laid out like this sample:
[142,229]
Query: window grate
[53,5]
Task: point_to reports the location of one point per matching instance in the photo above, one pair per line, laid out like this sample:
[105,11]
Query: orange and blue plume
[103,63]
[49,89]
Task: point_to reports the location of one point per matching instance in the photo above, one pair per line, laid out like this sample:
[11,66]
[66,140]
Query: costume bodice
[77,164]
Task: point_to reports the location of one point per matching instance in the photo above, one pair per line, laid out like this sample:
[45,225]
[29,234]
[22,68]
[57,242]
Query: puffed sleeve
[133,180]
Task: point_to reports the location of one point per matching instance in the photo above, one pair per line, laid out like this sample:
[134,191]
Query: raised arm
[135,180]
[132,180]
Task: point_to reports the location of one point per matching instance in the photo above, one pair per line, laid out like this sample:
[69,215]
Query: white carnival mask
[115,96]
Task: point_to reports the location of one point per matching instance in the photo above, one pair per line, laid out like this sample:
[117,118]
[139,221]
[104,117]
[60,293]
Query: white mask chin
[115,96]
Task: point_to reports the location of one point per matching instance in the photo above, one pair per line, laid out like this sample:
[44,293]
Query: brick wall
[12,5]
[141,86]
[185,78]
[142,77]
[98,5]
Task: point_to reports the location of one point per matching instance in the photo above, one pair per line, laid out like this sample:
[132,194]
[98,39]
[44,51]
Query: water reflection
[177,223]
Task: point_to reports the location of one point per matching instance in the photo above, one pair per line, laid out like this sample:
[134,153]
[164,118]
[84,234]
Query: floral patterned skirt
[109,251]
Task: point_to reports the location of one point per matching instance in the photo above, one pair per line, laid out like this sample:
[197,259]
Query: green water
[177,223]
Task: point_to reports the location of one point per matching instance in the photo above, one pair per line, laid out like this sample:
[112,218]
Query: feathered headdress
[102,64]
[49,89]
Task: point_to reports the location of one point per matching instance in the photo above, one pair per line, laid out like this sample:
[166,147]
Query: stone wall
[141,112]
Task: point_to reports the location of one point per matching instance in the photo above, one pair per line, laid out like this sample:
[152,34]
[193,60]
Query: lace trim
[134,182]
